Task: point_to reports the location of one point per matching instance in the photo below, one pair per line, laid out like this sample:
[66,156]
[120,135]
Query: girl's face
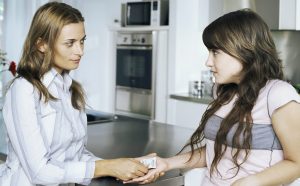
[68,48]
[225,68]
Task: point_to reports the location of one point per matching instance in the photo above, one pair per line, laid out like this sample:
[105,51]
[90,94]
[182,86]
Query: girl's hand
[153,174]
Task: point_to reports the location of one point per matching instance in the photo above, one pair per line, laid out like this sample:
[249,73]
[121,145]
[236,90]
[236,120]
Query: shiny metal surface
[131,101]
[134,39]
[288,43]
[94,116]
[191,98]
[134,100]
[127,137]
[135,47]
[267,9]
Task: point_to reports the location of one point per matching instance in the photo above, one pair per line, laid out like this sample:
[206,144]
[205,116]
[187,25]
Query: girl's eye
[215,52]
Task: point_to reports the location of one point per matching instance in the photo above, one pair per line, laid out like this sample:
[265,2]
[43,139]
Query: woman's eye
[69,44]
[82,41]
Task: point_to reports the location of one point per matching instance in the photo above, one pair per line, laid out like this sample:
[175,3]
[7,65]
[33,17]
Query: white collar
[49,76]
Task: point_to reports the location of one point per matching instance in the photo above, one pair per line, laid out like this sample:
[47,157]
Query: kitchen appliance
[287,43]
[278,14]
[134,72]
[145,13]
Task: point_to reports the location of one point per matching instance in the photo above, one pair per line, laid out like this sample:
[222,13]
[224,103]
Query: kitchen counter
[191,98]
[127,137]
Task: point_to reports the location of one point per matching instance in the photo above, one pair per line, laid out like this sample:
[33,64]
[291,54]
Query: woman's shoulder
[21,84]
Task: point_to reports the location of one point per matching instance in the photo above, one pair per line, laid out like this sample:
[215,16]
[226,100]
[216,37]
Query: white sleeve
[24,133]
[280,94]
[88,156]
[85,154]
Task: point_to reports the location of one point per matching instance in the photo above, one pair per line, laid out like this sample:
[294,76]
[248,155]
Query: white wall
[97,69]
[187,53]
[17,19]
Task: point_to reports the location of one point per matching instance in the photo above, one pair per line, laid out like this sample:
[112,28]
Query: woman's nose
[78,49]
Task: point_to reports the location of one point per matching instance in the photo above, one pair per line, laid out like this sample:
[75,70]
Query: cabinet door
[188,114]
[298,15]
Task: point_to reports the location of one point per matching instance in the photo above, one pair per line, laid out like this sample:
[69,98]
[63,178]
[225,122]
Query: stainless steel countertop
[127,137]
[191,98]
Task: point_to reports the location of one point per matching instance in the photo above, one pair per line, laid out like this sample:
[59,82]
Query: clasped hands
[131,170]
[152,174]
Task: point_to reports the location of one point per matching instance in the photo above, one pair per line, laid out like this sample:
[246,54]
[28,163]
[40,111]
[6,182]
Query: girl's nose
[209,62]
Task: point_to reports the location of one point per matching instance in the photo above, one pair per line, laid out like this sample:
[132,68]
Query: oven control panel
[134,39]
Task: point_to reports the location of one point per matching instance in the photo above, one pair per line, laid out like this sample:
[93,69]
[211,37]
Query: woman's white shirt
[46,141]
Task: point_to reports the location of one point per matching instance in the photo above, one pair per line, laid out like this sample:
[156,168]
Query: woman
[44,109]
[251,129]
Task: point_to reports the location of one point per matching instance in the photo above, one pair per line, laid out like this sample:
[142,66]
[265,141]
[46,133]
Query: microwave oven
[145,13]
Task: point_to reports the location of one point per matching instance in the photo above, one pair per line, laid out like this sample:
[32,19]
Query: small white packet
[149,162]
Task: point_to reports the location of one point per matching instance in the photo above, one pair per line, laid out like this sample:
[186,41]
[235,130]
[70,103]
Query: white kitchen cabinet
[184,113]
[281,14]
[278,14]
[194,177]
[289,12]
[298,15]
[186,58]
[161,88]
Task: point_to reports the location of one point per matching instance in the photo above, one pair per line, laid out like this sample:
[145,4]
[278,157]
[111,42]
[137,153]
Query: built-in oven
[134,66]
[134,72]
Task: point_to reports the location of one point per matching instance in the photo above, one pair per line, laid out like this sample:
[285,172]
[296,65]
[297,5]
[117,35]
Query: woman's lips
[77,61]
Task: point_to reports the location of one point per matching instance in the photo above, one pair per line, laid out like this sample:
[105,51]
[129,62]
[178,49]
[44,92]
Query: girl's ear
[41,45]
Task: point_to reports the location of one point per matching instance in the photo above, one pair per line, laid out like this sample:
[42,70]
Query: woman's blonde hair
[46,26]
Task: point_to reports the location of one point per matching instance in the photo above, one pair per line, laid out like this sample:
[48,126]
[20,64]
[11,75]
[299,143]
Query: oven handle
[135,47]
[134,90]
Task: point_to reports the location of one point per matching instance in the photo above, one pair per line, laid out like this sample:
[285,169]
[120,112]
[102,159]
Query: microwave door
[138,13]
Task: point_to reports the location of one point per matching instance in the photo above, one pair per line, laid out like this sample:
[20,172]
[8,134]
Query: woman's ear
[41,45]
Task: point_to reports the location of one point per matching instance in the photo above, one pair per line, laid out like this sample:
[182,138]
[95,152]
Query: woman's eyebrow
[84,37]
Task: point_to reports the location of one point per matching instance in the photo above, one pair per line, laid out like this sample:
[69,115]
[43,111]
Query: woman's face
[225,68]
[68,48]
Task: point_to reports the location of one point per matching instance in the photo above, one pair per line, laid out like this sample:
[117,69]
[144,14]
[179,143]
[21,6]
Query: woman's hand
[153,174]
[123,169]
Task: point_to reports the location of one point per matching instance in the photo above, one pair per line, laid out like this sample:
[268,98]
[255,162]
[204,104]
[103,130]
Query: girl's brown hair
[245,36]
[46,26]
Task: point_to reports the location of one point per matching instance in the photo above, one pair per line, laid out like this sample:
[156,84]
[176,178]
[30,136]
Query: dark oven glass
[134,68]
[139,13]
